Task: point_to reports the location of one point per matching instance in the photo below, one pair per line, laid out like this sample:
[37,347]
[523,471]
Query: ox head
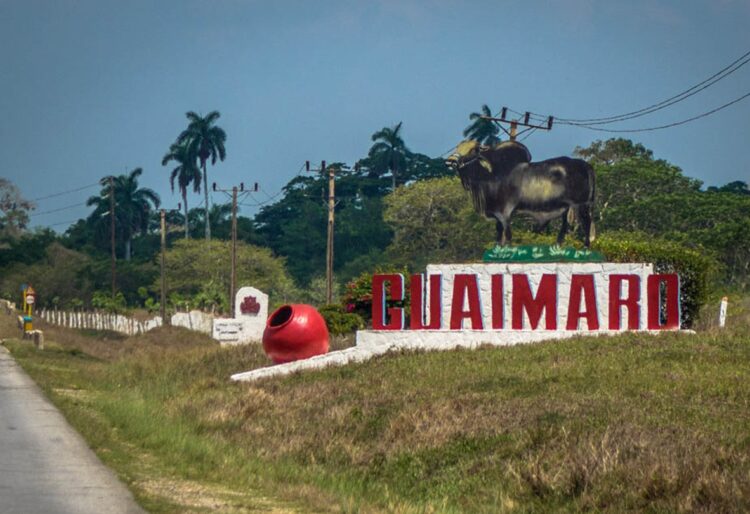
[501,156]
[468,151]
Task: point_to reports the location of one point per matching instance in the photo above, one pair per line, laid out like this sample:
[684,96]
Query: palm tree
[186,172]
[205,141]
[389,153]
[218,216]
[133,205]
[481,129]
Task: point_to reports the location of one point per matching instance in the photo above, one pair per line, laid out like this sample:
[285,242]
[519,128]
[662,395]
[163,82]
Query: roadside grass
[626,423]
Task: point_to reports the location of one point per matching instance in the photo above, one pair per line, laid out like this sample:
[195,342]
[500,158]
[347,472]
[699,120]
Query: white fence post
[723,312]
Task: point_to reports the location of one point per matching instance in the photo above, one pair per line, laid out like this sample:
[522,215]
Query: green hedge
[696,268]
[339,321]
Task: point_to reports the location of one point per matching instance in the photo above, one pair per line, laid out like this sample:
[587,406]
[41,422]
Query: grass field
[628,423]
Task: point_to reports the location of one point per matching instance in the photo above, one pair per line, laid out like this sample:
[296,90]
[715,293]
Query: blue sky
[95,87]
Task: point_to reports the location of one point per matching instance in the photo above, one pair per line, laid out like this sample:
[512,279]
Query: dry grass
[630,423]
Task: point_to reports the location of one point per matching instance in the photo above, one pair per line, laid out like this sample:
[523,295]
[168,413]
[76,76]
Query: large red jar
[295,332]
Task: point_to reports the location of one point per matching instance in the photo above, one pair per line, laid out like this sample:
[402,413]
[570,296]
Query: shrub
[696,268]
[339,321]
[358,295]
[104,301]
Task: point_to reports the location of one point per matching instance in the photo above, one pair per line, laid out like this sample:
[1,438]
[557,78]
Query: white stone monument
[250,315]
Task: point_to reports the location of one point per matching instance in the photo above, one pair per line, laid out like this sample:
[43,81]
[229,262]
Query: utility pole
[233,277]
[233,274]
[331,221]
[112,230]
[163,296]
[514,124]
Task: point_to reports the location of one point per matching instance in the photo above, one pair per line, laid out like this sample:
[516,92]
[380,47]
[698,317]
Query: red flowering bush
[357,297]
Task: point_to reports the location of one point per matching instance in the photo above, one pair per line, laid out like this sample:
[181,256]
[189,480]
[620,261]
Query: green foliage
[339,321]
[295,226]
[212,297]
[357,297]
[434,221]
[201,269]
[695,268]
[481,129]
[103,300]
[14,211]
[60,274]
[203,141]
[27,248]
[133,208]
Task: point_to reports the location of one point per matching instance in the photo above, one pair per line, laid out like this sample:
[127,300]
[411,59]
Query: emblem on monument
[250,305]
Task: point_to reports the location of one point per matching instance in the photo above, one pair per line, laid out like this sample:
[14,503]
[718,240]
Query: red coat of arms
[250,305]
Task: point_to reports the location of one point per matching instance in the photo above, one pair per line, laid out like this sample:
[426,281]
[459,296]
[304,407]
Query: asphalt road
[45,466]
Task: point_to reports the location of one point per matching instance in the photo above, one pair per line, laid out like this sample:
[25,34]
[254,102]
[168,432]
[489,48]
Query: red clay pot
[295,332]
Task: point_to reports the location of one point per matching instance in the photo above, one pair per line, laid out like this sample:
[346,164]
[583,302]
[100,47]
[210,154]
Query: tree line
[396,207]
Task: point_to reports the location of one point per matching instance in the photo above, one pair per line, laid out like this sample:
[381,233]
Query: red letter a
[583,283]
[466,285]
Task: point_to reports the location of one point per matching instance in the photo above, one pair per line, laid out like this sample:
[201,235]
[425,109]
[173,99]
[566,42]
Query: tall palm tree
[389,153]
[482,130]
[205,141]
[219,216]
[186,172]
[133,206]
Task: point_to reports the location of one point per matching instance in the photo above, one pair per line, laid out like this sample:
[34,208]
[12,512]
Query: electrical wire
[697,88]
[54,195]
[63,223]
[57,210]
[669,125]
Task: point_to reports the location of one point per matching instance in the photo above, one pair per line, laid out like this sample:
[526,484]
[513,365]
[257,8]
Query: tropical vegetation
[396,207]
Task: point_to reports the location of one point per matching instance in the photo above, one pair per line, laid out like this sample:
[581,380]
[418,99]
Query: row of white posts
[99,321]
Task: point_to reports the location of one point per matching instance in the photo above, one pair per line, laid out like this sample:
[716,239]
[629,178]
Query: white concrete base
[371,343]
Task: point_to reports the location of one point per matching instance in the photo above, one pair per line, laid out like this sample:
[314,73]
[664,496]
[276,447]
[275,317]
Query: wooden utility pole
[233,278]
[163,296]
[233,272]
[514,124]
[112,230]
[331,221]
[329,243]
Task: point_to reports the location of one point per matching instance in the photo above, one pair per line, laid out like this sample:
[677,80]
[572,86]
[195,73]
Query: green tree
[295,226]
[613,151]
[14,210]
[186,172]
[737,187]
[206,141]
[218,217]
[481,129]
[627,173]
[202,270]
[388,153]
[433,221]
[133,207]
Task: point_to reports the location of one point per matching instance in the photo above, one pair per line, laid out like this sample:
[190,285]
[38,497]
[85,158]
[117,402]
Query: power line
[63,223]
[57,210]
[54,195]
[669,125]
[697,88]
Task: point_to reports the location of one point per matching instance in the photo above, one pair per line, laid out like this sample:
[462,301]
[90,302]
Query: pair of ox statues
[503,180]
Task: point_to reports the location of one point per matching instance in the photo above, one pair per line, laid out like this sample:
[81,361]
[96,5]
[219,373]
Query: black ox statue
[502,180]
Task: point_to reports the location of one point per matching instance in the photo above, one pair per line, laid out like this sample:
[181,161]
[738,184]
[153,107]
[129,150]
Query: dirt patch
[196,497]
